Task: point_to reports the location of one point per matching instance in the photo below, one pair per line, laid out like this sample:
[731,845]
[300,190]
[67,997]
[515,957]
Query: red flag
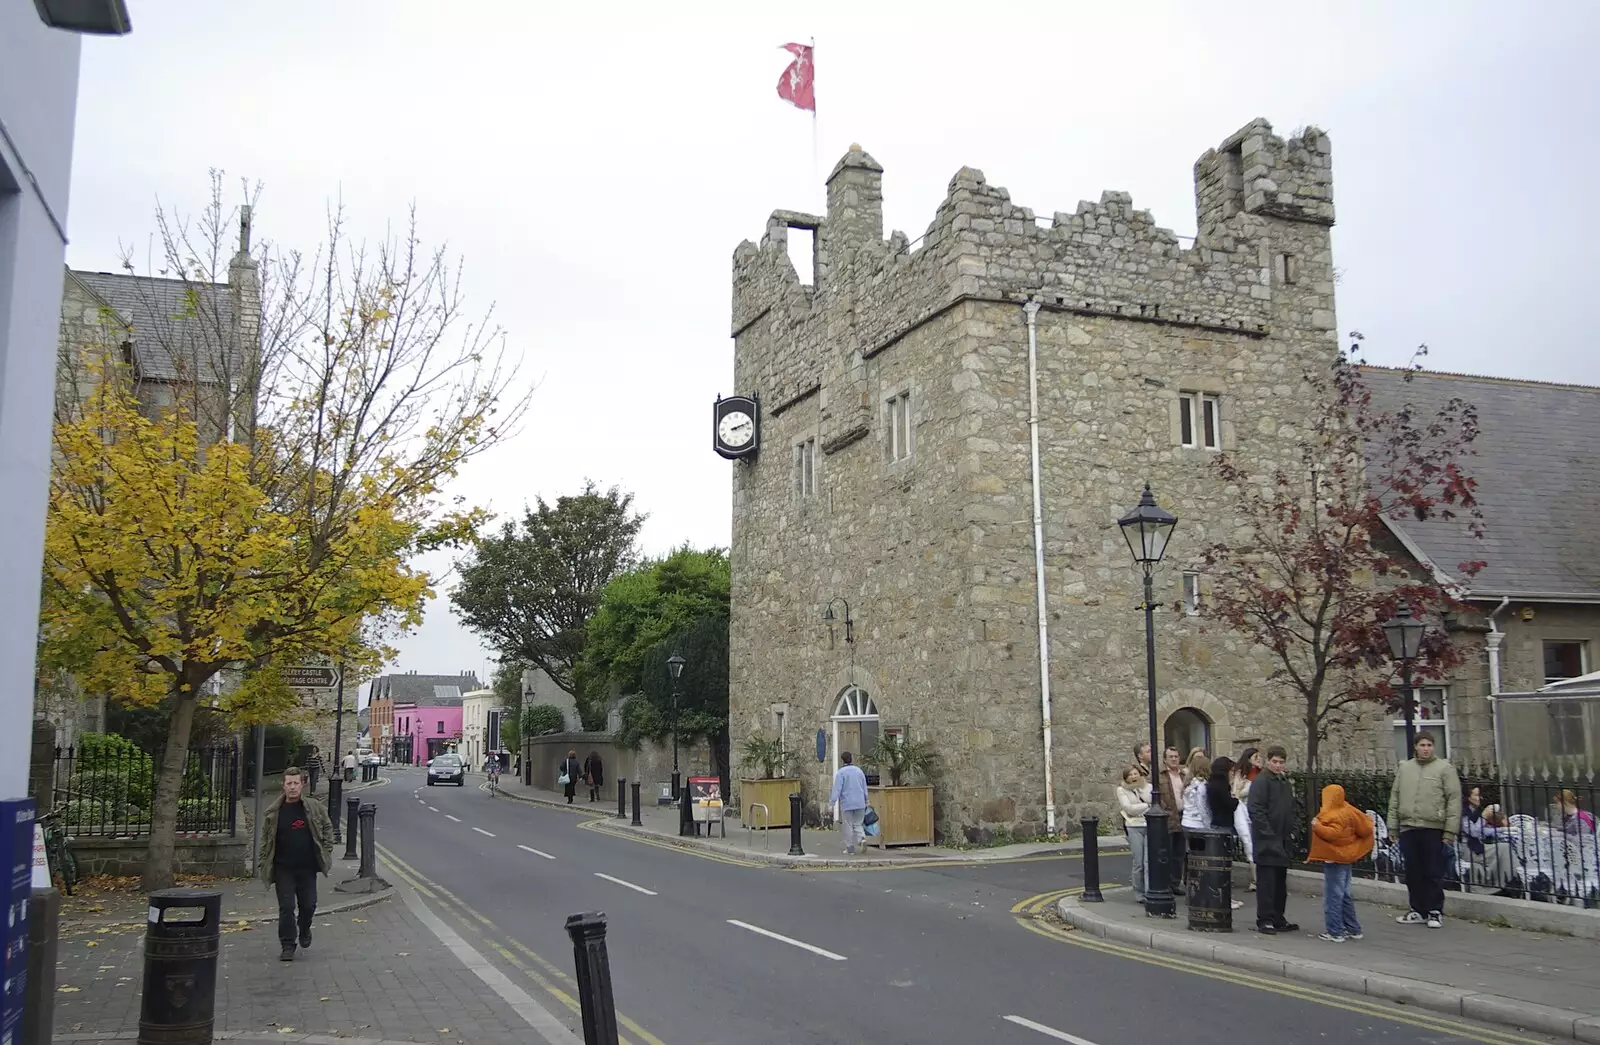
[798,83]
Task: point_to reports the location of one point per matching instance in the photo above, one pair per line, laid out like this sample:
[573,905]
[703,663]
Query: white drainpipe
[1032,311]
[1494,639]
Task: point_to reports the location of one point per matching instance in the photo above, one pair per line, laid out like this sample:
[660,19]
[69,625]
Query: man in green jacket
[296,845]
[1425,806]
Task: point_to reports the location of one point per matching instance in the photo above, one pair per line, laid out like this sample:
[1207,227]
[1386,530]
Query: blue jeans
[1338,909]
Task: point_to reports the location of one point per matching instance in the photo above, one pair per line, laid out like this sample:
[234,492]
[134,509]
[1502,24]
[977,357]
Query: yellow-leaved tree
[242,479]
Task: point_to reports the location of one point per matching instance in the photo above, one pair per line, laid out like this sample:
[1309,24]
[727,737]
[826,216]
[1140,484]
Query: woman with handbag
[571,770]
[594,774]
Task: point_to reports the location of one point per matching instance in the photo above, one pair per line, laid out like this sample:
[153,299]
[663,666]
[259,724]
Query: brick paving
[373,973]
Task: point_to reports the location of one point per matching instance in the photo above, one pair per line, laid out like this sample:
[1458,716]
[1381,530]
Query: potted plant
[905,811]
[772,788]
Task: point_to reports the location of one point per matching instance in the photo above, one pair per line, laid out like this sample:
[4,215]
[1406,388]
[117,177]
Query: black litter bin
[181,942]
[1210,879]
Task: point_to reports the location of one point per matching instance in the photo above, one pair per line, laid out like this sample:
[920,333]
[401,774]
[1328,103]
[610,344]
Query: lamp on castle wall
[1147,529]
[1404,633]
[849,625]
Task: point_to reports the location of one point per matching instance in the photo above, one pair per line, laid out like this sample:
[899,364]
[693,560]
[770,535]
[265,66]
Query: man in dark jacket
[296,845]
[1271,806]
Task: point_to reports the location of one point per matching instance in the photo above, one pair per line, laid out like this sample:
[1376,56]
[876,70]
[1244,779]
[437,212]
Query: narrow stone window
[803,254]
[1191,593]
[898,442]
[805,468]
[1200,420]
[1287,268]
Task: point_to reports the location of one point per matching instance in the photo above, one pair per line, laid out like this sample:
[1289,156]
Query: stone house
[897,476]
[1535,616]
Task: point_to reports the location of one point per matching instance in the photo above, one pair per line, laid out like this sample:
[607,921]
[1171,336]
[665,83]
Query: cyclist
[491,766]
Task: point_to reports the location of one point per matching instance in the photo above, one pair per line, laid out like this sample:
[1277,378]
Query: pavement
[1535,981]
[822,846]
[707,945]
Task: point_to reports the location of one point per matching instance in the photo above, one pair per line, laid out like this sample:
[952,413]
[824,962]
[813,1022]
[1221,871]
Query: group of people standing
[1254,798]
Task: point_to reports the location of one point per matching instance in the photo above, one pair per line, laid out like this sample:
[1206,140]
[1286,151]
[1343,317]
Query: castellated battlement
[1255,193]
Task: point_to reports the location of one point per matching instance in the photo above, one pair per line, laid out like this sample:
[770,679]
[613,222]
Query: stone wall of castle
[934,550]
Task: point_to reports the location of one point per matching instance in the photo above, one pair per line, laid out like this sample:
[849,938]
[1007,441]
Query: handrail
[766,830]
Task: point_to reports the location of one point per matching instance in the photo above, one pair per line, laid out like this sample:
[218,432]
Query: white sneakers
[1434,919]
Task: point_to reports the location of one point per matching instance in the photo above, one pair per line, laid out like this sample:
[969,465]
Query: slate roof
[437,691]
[169,317]
[1537,468]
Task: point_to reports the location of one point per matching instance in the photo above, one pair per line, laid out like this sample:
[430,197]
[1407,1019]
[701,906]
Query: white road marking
[1049,1032]
[481,831]
[784,939]
[433,809]
[630,885]
[544,1022]
[457,819]
[535,852]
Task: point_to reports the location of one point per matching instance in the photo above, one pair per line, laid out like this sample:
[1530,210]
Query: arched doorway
[855,724]
[1186,729]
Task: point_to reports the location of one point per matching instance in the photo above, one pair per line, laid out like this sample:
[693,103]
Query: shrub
[538,719]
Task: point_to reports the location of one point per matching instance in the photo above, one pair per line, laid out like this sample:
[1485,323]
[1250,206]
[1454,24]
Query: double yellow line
[1032,914]
[544,974]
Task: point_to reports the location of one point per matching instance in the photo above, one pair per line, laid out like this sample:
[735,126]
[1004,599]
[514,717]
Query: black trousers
[295,889]
[1272,895]
[1423,850]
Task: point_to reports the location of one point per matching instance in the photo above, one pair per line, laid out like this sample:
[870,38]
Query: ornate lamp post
[849,625]
[1404,633]
[675,668]
[1147,529]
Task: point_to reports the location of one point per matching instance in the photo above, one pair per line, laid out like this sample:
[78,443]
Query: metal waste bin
[1210,879]
[181,942]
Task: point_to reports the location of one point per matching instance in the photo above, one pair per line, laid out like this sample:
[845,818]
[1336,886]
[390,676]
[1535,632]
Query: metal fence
[106,787]
[1526,831]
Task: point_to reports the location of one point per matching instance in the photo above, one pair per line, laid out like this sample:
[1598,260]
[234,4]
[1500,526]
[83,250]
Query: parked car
[370,759]
[446,769]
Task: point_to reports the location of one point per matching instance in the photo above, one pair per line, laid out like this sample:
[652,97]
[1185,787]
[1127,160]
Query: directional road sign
[310,676]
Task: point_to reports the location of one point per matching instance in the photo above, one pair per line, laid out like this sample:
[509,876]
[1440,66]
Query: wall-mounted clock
[736,427]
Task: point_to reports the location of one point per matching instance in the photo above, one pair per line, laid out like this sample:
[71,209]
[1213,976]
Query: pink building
[432,729]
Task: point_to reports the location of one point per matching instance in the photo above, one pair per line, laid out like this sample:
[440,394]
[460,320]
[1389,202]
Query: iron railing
[1530,834]
[107,788]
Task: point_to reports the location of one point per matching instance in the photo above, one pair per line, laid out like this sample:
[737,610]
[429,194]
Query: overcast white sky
[596,171]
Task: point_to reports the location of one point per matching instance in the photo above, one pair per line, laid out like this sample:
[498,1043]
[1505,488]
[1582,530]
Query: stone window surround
[805,468]
[1193,599]
[1195,385]
[904,391]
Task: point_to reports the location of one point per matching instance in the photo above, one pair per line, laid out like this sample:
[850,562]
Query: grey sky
[597,170]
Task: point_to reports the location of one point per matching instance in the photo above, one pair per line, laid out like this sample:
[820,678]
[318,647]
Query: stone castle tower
[896,471]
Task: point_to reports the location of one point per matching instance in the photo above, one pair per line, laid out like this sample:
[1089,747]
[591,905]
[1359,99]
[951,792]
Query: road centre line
[433,809]
[630,885]
[535,852]
[788,940]
[481,831]
[457,819]
[1049,1032]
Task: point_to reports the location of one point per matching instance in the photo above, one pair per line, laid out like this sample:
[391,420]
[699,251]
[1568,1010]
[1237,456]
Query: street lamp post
[675,668]
[1404,633]
[1147,529]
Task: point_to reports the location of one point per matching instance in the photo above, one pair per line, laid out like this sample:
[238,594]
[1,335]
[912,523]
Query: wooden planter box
[771,792]
[905,815]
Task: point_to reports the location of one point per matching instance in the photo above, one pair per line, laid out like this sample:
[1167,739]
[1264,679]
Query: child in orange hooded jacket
[1340,835]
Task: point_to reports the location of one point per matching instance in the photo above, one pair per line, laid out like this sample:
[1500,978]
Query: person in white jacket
[1133,798]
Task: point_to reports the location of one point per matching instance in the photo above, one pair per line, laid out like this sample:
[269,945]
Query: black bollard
[686,826]
[1091,859]
[588,932]
[1159,901]
[335,790]
[352,806]
[39,989]
[622,798]
[795,813]
[180,967]
[636,821]
[369,844]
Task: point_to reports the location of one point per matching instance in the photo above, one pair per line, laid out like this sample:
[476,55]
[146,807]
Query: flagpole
[815,172]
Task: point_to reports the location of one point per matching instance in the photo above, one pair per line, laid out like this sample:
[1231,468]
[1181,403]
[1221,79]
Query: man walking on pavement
[1425,804]
[349,767]
[1271,805]
[296,845]
[316,767]
[850,793]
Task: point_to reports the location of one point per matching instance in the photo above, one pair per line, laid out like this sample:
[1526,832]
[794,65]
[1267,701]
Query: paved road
[710,950]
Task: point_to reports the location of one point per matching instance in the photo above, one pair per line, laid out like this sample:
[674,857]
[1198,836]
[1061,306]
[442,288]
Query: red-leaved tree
[1312,571]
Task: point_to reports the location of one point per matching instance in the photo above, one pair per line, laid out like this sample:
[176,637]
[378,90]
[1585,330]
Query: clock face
[736,429]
